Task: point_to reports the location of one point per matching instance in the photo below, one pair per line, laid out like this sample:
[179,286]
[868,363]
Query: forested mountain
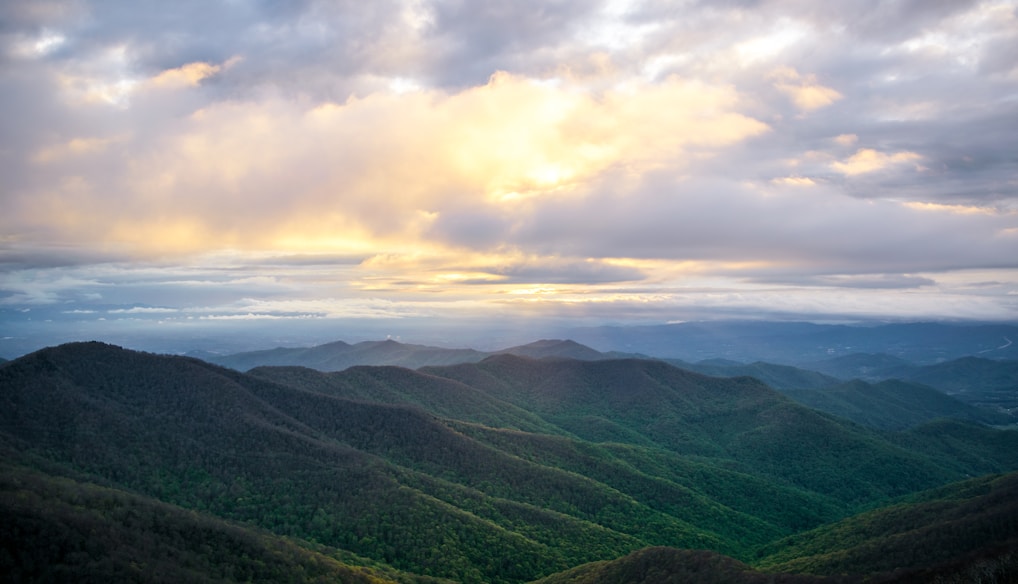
[936,532]
[57,529]
[776,376]
[794,343]
[890,404]
[990,383]
[505,470]
[339,355]
[893,404]
[963,532]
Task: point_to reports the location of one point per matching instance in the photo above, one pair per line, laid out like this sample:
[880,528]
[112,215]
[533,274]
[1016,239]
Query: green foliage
[501,471]
[892,404]
[56,529]
[922,531]
[661,565]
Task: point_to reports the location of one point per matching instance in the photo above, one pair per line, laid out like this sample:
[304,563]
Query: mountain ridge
[688,460]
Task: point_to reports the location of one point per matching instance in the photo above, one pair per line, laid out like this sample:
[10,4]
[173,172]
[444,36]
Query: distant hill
[992,383]
[396,385]
[339,355]
[794,343]
[893,404]
[741,419]
[776,376]
[555,349]
[889,405]
[865,366]
[500,471]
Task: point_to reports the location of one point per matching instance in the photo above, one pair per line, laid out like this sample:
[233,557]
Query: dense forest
[508,469]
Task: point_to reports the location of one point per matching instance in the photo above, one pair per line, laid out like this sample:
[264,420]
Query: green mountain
[800,342]
[663,565]
[892,404]
[396,385]
[865,366]
[739,420]
[505,470]
[61,530]
[777,376]
[965,526]
[339,355]
[974,380]
[989,383]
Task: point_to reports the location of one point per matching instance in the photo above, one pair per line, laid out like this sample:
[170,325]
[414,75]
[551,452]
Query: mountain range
[864,388]
[508,469]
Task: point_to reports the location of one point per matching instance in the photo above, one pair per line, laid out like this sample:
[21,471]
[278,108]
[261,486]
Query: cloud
[380,166]
[805,91]
[614,158]
[867,160]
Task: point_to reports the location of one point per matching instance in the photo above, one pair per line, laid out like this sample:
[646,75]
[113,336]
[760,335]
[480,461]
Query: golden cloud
[376,172]
[867,160]
[806,93]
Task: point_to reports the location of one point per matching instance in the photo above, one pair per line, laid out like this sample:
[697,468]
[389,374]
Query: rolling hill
[504,470]
[988,383]
[794,343]
[339,355]
[931,534]
[57,529]
[893,404]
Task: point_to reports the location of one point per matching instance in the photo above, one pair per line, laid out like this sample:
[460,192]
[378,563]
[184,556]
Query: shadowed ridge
[941,532]
[651,403]
[555,348]
[397,385]
[663,565]
[57,529]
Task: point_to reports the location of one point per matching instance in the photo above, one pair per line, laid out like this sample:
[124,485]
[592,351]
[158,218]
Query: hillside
[777,376]
[893,404]
[505,470]
[661,565]
[988,383]
[395,385]
[739,420]
[62,530]
[339,355]
[946,530]
[794,343]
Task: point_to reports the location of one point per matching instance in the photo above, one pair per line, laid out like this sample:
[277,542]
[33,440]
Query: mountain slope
[392,483]
[58,529]
[798,342]
[339,355]
[940,530]
[396,385]
[673,458]
[207,438]
[661,565]
[779,377]
[892,404]
[650,403]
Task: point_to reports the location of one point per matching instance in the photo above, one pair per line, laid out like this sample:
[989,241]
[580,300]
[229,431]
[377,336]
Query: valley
[505,467]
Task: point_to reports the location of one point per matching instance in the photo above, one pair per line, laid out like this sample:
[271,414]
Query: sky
[372,168]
